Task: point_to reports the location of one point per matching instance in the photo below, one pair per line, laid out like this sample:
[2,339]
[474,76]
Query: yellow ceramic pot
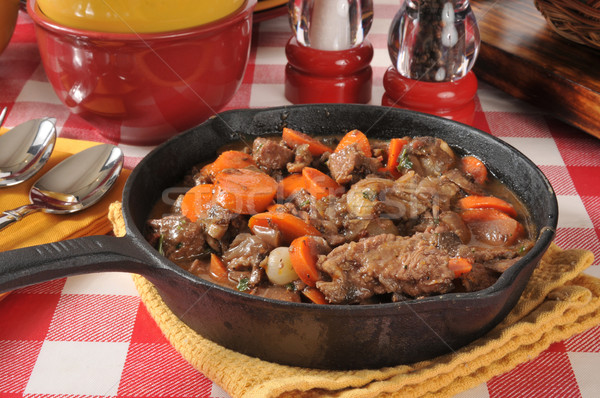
[9,10]
[140,16]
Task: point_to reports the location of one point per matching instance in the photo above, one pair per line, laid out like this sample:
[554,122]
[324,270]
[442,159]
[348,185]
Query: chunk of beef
[429,156]
[350,165]
[479,278]
[245,252]
[177,237]
[276,292]
[448,224]
[411,266]
[302,159]
[464,183]
[270,155]
[217,220]
[436,193]
[328,216]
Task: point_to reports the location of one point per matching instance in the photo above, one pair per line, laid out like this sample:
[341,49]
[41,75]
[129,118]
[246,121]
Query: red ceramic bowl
[142,89]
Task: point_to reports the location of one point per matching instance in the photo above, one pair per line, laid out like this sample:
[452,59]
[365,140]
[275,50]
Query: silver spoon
[25,149]
[74,184]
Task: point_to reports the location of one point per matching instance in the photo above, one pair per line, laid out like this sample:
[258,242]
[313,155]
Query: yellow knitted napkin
[40,227]
[558,302]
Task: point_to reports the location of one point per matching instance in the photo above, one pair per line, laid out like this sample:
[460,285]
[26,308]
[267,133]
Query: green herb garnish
[403,160]
[291,287]
[160,244]
[369,194]
[243,284]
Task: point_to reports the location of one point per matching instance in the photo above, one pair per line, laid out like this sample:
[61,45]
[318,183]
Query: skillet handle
[36,264]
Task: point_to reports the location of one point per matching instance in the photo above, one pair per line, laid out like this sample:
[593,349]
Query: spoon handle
[10,216]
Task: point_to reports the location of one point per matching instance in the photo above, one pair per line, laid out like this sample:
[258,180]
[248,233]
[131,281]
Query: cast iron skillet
[329,337]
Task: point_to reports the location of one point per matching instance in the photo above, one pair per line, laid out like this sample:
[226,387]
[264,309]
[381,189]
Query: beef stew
[343,220]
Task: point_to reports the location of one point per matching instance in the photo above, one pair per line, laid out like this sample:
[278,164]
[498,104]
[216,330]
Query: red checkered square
[586,179]
[157,370]
[269,74]
[548,375]
[588,341]
[23,111]
[507,124]
[51,287]
[17,359]
[93,317]
[19,62]
[379,40]
[560,179]
[10,89]
[557,347]
[576,147]
[241,99]
[591,203]
[272,39]
[26,316]
[76,127]
[574,238]
[145,329]
[24,32]
[480,119]
[248,77]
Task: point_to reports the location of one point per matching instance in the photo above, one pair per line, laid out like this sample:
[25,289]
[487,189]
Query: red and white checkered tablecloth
[90,336]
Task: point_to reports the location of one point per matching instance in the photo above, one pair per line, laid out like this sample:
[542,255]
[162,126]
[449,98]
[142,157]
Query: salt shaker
[433,45]
[328,54]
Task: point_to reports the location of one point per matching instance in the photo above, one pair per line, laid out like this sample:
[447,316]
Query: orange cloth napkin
[39,227]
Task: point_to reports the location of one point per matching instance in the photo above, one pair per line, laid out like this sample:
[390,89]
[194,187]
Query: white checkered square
[218,392]
[492,100]
[78,368]
[270,56]
[94,317]
[101,283]
[480,391]
[541,151]
[572,212]
[585,366]
[265,95]
[35,91]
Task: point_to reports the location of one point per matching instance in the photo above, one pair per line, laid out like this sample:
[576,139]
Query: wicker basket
[575,20]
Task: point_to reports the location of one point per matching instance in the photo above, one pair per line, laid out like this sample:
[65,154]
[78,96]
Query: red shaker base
[317,76]
[451,100]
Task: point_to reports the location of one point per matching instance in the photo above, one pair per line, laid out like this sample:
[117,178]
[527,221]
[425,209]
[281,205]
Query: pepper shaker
[433,45]
[328,54]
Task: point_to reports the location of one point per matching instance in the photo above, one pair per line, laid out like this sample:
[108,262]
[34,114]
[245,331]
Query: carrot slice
[314,295]
[394,151]
[460,265]
[487,202]
[475,168]
[492,226]
[358,138]
[304,255]
[290,184]
[319,184]
[197,201]
[244,191]
[275,207]
[295,138]
[290,226]
[217,267]
[228,160]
